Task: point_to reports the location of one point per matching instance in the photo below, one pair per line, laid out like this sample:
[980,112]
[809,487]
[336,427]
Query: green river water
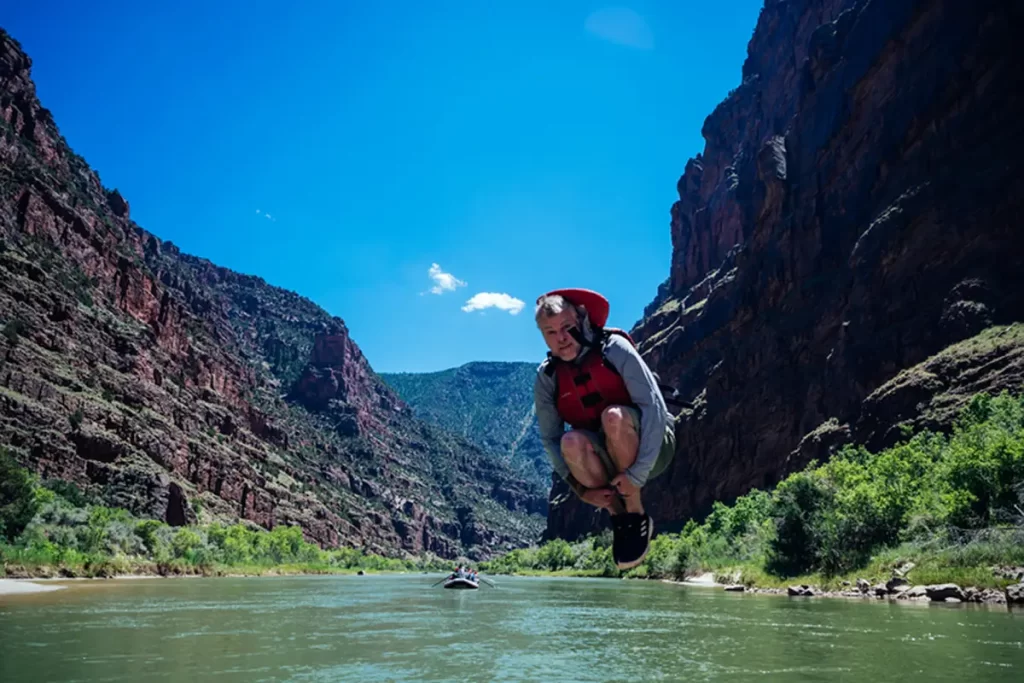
[397,628]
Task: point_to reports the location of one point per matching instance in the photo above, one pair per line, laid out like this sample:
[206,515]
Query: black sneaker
[632,537]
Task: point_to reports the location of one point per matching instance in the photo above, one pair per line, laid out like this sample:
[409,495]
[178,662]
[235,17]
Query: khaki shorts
[665,455]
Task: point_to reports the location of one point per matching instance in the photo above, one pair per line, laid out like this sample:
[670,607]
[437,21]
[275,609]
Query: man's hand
[601,497]
[624,486]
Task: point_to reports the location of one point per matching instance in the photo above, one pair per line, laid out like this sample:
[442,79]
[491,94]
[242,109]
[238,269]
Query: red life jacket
[584,390]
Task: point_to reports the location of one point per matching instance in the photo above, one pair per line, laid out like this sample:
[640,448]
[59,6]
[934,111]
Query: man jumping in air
[622,433]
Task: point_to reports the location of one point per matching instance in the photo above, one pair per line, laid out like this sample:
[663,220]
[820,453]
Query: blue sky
[342,149]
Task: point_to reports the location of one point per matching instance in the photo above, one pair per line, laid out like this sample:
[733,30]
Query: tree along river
[398,628]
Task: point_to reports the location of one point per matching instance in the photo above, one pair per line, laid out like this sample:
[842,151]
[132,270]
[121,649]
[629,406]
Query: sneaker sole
[633,563]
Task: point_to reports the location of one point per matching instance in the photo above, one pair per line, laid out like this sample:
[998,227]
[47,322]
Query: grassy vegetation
[51,529]
[951,504]
[994,338]
[589,557]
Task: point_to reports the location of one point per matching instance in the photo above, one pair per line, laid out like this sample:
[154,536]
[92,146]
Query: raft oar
[487,582]
[441,581]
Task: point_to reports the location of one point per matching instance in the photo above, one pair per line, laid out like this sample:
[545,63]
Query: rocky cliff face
[855,212]
[176,388]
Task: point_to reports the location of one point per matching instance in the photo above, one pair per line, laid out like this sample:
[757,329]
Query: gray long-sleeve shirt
[643,389]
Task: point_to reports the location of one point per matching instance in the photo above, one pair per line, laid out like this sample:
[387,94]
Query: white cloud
[257,210]
[494,300]
[444,281]
[622,26]
[267,215]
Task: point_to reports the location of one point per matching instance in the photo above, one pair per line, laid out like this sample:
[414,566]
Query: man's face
[556,334]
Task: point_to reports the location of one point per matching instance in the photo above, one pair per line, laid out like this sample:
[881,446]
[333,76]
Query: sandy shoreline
[705,579]
[20,586]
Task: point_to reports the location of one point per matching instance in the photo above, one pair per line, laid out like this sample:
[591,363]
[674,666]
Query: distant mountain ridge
[489,403]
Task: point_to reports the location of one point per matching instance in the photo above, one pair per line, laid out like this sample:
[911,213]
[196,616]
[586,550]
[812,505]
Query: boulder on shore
[939,592]
[914,593]
[895,582]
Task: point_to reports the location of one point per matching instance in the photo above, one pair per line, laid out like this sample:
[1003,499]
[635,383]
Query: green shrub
[799,509]
[555,555]
[18,502]
[67,490]
[14,329]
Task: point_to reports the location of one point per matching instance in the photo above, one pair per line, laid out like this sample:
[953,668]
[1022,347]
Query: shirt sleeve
[643,389]
[549,422]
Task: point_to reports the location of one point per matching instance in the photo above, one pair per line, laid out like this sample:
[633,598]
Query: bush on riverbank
[951,504]
[589,557]
[65,535]
[17,498]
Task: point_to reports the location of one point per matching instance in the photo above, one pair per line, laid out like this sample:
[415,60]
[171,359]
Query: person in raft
[622,433]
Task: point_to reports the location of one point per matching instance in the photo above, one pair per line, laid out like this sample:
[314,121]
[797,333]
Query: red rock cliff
[171,386]
[855,212]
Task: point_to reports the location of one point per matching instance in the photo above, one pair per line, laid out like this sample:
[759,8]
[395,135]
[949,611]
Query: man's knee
[617,422]
[574,446]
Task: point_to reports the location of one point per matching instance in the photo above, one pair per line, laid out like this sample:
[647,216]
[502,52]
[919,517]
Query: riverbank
[945,593]
[142,569]
[120,568]
[897,588]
